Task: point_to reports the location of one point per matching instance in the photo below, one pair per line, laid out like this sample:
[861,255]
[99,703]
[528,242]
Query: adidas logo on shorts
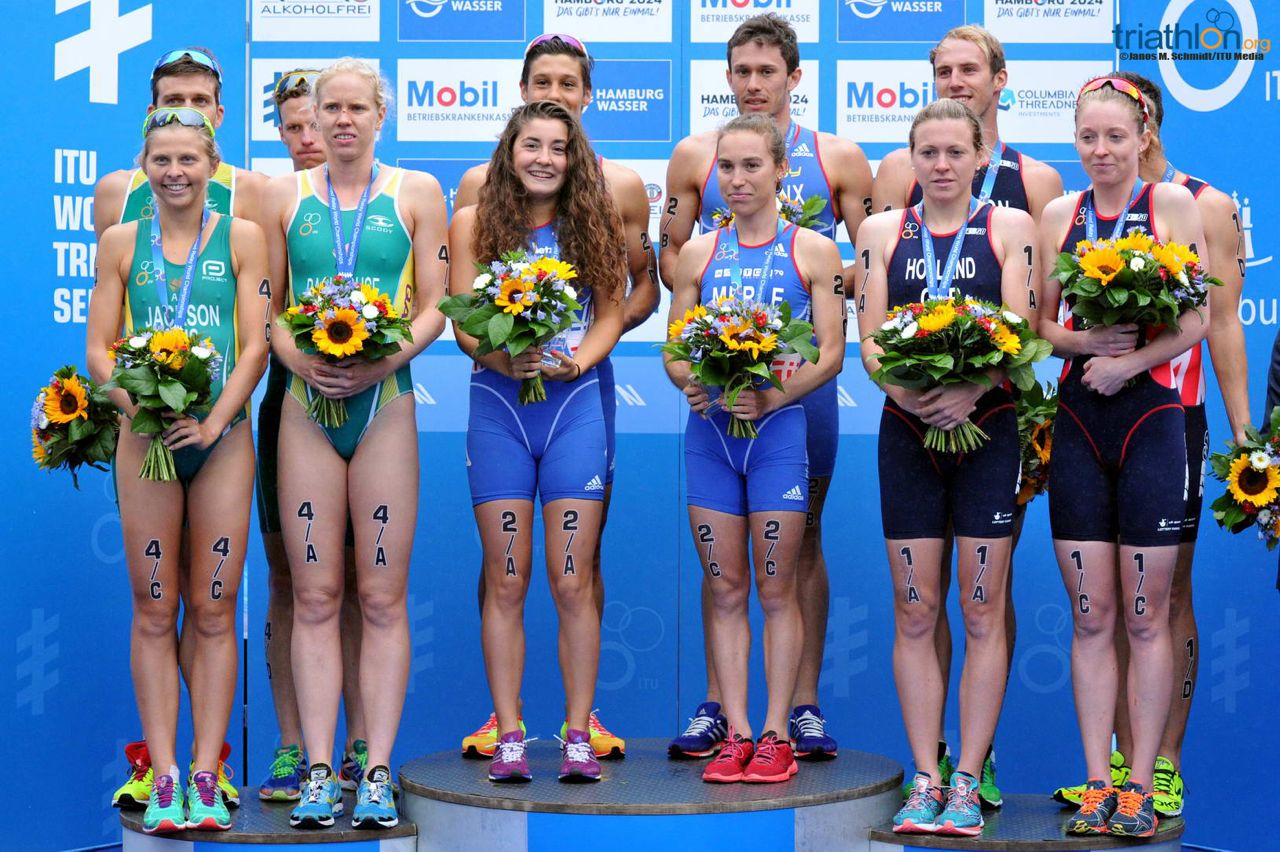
[801,150]
[594,485]
[796,493]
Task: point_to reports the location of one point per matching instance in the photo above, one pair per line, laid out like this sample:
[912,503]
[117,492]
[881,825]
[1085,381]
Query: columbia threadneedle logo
[594,485]
[796,493]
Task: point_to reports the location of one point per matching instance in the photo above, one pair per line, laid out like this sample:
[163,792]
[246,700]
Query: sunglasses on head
[561,37]
[186,116]
[1120,85]
[300,82]
[199,57]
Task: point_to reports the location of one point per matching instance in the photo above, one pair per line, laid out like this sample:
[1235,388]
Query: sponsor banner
[1205,51]
[264,74]
[897,20]
[610,20]
[455,100]
[715,20]
[448,171]
[630,101]
[711,101]
[1039,103]
[315,20]
[1054,21]
[461,20]
[877,100]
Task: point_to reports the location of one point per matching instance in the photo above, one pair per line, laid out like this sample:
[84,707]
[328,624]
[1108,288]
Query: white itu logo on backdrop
[99,47]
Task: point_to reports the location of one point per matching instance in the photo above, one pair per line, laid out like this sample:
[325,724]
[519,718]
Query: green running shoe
[205,809]
[1135,815]
[1166,788]
[135,793]
[1098,803]
[945,769]
[164,809]
[1073,795]
[988,792]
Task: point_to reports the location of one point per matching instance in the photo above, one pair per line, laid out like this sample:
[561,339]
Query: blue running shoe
[920,814]
[376,801]
[963,814]
[808,730]
[707,730]
[321,800]
[1135,814]
[287,775]
[165,812]
[354,763]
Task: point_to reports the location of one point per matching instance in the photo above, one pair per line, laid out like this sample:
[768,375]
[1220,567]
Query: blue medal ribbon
[993,168]
[345,253]
[179,316]
[735,264]
[1091,218]
[1169,172]
[942,289]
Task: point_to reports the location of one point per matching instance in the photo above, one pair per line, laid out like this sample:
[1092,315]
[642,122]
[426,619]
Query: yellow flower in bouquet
[1042,441]
[1135,241]
[694,313]
[373,296]
[938,318]
[170,348]
[1101,264]
[1006,340]
[341,335]
[65,400]
[516,294]
[551,266]
[1247,484]
[37,449]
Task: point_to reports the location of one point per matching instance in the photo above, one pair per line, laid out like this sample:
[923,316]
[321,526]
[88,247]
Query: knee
[382,609]
[915,622]
[729,596]
[213,622]
[1097,625]
[1147,628]
[776,595]
[983,621]
[316,604]
[573,592]
[155,619]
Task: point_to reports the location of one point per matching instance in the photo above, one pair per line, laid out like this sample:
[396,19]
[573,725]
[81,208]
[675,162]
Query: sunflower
[37,449]
[1005,340]
[551,266]
[1183,252]
[939,318]
[516,295]
[1082,247]
[169,348]
[1167,256]
[1042,440]
[342,334]
[1248,485]
[65,400]
[1135,241]
[1101,264]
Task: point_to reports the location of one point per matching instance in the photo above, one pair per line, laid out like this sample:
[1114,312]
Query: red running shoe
[733,758]
[773,761]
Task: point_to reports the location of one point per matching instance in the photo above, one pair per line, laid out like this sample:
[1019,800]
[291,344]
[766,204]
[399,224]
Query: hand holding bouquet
[948,341]
[1134,279]
[338,319]
[167,373]
[1252,474]
[516,303]
[1036,409]
[731,343]
[73,423]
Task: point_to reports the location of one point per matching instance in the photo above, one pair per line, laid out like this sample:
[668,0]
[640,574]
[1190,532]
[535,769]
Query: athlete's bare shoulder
[469,187]
[892,186]
[693,154]
[621,180]
[1215,204]
[108,199]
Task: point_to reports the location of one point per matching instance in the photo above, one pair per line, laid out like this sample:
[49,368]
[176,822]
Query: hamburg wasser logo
[897,20]
[1217,36]
[461,20]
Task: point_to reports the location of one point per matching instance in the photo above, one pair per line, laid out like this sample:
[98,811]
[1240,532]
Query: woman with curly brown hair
[544,192]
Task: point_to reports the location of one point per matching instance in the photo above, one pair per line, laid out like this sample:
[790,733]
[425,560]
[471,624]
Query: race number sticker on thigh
[1139,599]
[383,516]
[771,529]
[510,528]
[913,594]
[570,525]
[707,536]
[1082,598]
[979,591]
[222,547]
[306,512]
[152,551]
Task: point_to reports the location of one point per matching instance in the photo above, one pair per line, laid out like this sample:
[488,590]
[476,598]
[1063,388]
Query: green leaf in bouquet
[1117,296]
[784,314]
[477,322]
[147,422]
[805,348]
[139,381]
[1022,376]
[79,429]
[103,445]
[457,307]
[520,341]
[174,395]
[500,328]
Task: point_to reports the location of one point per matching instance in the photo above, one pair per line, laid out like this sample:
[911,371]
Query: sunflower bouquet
[805,214]
[516,303]
[734,343]
[165,372]
[949,341]
[338,318]
[1252,474]
[73,423]
[1134,279]
[1036,408]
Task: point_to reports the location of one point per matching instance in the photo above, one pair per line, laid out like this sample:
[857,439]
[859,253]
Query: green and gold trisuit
[385,261]
[140,204]
[211,313]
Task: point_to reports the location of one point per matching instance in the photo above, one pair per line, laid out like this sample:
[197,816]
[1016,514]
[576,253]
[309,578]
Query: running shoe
[354,763]
[1135,814]
[707,729]
[225,773]
[945,769]
[920,813]
[135,794]
[578,761]
[164,808]
[773,761]
[510,761]
[1097,804]
[732,760]
[321,800]
[287,775]
[962,815]
[484,741]
[808,730]
[988,791]
[1166,788]
[376,801]
[205,809]
[605,745]
[1074,795]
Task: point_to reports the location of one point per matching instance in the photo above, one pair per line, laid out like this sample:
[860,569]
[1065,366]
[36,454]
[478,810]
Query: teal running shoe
[287,775]
[962,816]
[945,768]
[1097,804]
[920,814]
[988,792]
[376,801]
[164,812]
[205,809]
[321,800]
